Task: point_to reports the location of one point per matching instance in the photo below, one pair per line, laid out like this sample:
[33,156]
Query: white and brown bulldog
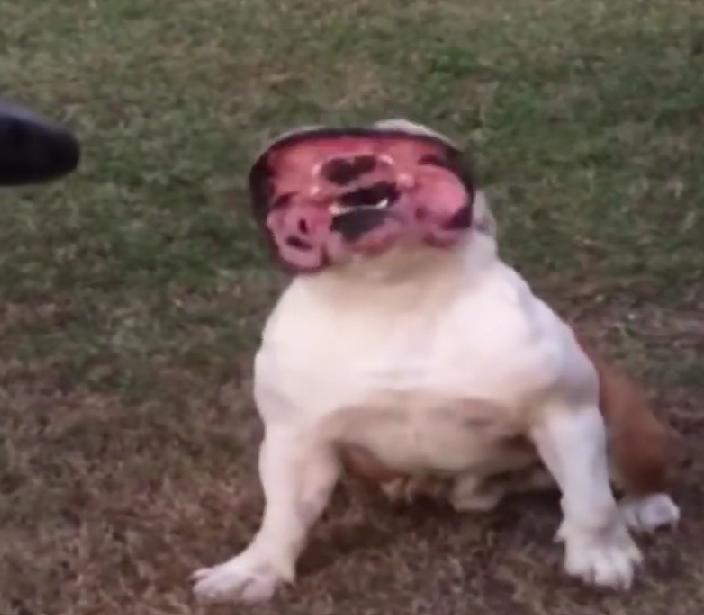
[405,349]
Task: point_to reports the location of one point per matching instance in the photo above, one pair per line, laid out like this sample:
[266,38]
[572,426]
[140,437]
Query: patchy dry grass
[132,293]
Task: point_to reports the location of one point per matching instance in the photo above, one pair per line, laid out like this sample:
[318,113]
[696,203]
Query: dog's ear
[33,149]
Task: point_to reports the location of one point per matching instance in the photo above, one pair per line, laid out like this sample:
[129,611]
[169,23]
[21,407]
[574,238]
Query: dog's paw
[646,514]
[245,578]
[605,559]
[405,491]
[475,494]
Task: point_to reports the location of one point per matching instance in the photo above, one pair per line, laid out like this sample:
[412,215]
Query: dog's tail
[641,447]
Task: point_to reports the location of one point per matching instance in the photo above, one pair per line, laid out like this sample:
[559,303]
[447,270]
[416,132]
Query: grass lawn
[133,292]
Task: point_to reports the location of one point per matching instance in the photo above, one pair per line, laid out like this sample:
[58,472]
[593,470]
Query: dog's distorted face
[324,195]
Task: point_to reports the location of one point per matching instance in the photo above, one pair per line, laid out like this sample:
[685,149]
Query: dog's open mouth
[376,197]
[324,194]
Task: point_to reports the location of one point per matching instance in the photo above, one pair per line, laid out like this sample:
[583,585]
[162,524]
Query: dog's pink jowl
[330,194]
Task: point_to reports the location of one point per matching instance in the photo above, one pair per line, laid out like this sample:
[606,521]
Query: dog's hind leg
[641,448]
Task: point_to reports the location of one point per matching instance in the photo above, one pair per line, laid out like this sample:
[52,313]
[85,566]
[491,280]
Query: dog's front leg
[598,547]
[297,475]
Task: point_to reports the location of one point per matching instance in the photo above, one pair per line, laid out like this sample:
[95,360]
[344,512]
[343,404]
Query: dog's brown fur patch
[640,445]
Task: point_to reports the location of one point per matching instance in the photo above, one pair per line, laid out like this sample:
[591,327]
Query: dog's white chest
[423,382]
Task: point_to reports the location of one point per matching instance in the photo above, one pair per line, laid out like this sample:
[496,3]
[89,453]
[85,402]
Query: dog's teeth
[337,210]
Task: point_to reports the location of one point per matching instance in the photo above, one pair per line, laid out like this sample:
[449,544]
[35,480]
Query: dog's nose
[32,149]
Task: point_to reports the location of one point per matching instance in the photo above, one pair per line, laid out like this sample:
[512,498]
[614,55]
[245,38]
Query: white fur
[429,359]
[648,513]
